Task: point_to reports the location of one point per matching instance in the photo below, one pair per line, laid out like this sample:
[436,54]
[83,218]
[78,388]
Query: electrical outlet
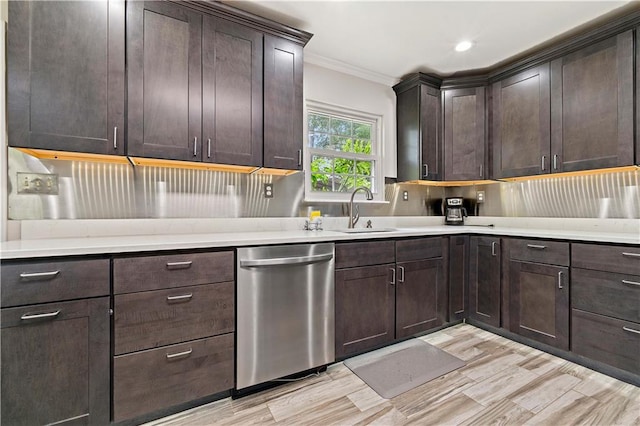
[37,183]
[405,195]
[268,190]
[479,197]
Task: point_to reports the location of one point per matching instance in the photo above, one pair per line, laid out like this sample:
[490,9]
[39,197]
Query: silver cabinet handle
[184,297]
[393,276]
[115,137]
[179,265]
[555,161]
[560,280]
[493,248]
[195,146]
[630,282]
[536,246]
[631,330]
[299,157]
[276,261]
[40,316]
[481,167]
[208,148]
[425,168]
[401,277]
[543,161]
[631,254]
[39,275]
[180,354]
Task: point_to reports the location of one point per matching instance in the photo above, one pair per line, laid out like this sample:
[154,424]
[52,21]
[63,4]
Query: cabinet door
[232,93]
[637,94]
[418,134]
[282,104]
[365,306]
[421,300]
[55,367]
[464,134]
[458,277]
[66,75]
[484,280]
[539,302]
[592,106]
[164,84]
[521,124]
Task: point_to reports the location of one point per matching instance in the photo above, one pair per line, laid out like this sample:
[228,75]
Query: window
[343,153]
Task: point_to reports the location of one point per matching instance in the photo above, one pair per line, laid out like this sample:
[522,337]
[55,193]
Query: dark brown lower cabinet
[605,339]
[458,277]
[55,363]
[160,378]
[484,280]
[365,308]
[420,296]
[539,302]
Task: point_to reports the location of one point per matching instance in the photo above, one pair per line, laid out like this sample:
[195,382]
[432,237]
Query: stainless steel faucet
[354,219]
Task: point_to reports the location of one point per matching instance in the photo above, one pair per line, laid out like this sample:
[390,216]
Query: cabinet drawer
[163,317]
[26,283]
[607,340]
[350,255]
[605,293]
[160,378]
[132,274]
[549,252]
[418,249]
[623,260]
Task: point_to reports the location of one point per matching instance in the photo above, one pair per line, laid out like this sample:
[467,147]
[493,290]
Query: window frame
[351,114]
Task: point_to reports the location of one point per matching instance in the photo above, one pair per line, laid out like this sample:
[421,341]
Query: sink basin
[365,230]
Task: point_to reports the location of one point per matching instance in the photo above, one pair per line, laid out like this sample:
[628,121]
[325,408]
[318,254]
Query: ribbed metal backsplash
[91,190]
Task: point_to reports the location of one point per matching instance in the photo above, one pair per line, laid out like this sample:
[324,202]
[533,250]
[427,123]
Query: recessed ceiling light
[463,46]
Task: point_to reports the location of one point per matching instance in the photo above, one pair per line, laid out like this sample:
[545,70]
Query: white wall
[336,88]
[3,121]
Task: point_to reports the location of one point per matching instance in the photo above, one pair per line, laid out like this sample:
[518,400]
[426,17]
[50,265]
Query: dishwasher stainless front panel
[285,311]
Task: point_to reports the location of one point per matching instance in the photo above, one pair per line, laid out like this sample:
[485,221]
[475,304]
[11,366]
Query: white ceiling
[385,40]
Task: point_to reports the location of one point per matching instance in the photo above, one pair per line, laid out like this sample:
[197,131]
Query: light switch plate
[480,197]
[405,195]
[37,183]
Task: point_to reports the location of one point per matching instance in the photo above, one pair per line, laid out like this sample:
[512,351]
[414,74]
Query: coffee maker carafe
[454,213]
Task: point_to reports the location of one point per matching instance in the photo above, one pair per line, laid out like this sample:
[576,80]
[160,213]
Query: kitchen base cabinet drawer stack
[55,342]
[605,302]
[174,323]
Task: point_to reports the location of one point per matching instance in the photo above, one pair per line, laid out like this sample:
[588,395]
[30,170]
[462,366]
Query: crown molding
[349,69]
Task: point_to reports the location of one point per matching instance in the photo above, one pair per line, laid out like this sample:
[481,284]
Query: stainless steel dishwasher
[285,311]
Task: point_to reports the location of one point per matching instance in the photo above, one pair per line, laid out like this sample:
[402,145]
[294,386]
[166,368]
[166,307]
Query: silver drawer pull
[631,254]
[40,316]
[560,280]
[630,282]
[631,330]
[401,277]
[179,265]
[182,297]
[536,246]
[38,275]
[179,354]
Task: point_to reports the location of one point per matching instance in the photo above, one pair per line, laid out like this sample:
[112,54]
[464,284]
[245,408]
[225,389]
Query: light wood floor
[503,382]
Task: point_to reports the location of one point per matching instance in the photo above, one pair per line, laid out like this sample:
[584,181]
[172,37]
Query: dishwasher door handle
[279,261]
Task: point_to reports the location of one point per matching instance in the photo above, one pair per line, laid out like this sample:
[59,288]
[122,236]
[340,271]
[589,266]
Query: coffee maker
[454,213]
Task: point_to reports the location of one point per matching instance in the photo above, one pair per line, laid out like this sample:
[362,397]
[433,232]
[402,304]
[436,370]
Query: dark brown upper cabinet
[418,132]
[521,132]
[164,45]
[464,133]
[283,104]
[637,94]
[592,106]
[66,75]
[231,93]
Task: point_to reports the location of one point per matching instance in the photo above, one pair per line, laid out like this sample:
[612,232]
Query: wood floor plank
[500,385]
[366,398]
[503,412]
[543,390]
[451,411]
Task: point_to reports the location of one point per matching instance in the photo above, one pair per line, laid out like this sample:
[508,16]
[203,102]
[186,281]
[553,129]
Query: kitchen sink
[365,230]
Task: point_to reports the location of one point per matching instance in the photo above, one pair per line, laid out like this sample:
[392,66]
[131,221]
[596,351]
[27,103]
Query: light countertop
[96,245]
